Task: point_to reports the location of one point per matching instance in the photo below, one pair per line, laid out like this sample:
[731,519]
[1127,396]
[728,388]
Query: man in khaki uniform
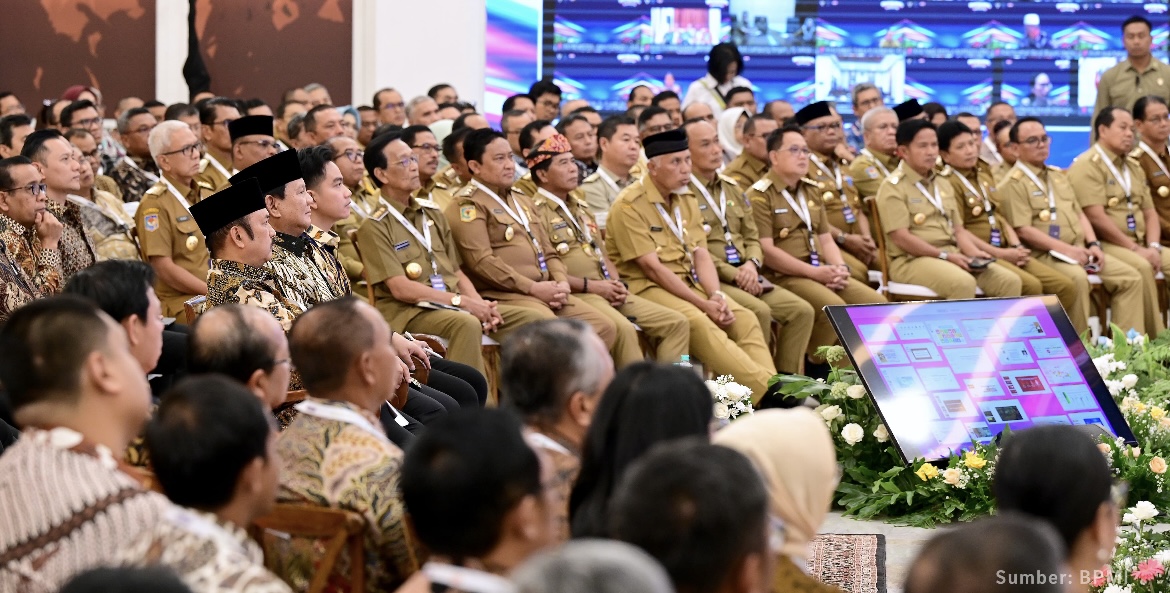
[1152,119]
[169,236]
[532,134]
[620,148]
[426,148]
[591,276]
[419,287]
[979,201]
[1039,202]
[752,163]
[656,237]
[799,253]
[1111,190]
[926,241]
[879,157]
[1117,87]
[505,252]
[848,223]
[347,155]
[215,116]
[734,244]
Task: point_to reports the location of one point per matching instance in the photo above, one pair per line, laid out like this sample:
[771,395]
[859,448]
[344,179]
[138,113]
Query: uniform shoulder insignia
[157,189]
[427,203]
[946,171]
[762,185]
[538,201]
[728,179]
[594,176]
[467,191]
[811,182]
[895,177]
[1136,153]
[1015,174]
[203,164]
[205,185]
[442,184]
[1055,168]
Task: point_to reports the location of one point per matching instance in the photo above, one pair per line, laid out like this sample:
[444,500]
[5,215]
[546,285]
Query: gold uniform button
[784,233]
[825,196]
[413,270]
[706,228]
[970,201]
[562,248]
[509,233]
[588,249]
[976,211]
[919,218]
[1044,215]
[192,242]
[1113,202]
[1164,191]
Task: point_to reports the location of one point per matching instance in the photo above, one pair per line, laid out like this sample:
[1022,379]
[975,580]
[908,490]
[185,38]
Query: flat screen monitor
[945,375]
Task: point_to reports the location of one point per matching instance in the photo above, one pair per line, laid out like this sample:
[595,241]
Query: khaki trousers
[820,296]
[795,316]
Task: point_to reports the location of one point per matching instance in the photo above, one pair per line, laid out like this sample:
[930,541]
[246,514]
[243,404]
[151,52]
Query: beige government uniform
[575,237]
[979,200]
[775,218]
[502,261]
[636,228]
[438,191]
[869,170]
[794,314]
[526,185]
[390,250]
[600,189]
[365,199]
[901,205]
[1026,204]
[167,229]
[1122,85]
[214,174]
[745,169]
[842,203]
[1095,185]
[1157,172]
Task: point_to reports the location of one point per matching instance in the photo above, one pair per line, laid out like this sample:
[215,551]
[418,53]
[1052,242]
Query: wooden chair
[193,307]
[295,396]
[352,234]
[335,529]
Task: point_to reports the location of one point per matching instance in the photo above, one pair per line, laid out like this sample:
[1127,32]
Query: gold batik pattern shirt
[303,272]
[41,268]
[77,251]
[208,554]
[337,464]
[234,282]
[109,227]
[134,176]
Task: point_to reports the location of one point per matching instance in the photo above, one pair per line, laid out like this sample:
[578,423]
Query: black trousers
[400,435]
[463,383]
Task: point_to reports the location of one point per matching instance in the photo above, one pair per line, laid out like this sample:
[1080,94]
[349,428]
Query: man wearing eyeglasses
[252,140]
[30,264]
[426,149]
[170,238]
[1152,119]
[752,163]
[136,172]
[216,115]
[348,157]
[1110,187]
[1138,75]
[1040,202]
[85,114]
[619,147]
[52,154]
[848,224]
[866,96]
[390,106]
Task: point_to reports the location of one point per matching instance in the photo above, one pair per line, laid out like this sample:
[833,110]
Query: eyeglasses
[223,122]
[1158,119]
[651,130]
[189,151]
[1036,140]
[796,150]
[351,154]
[142,130]
[35,189]
[825,127]
[287,361]
[406,162]
[263,144]
[88,124]
[874,102]
[388,106]
[426,147]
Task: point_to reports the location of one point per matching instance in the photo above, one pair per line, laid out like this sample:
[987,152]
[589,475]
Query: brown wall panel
[259,48]
[49,45]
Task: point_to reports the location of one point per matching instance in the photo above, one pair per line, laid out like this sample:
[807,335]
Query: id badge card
[437,282]
[733,257]
[1131,222]
[996,238]
[814,258]
[850,217]
[1054,231]
[541,261]
[695,276]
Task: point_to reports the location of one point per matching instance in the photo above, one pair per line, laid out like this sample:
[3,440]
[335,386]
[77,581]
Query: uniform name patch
[655,229]
[401,246]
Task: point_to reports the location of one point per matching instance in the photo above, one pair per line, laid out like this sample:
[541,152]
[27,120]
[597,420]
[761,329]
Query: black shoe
[774,399]
[817,370]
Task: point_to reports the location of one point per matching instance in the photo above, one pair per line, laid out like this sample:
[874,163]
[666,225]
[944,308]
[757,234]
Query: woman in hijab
[731,132]
[794,453]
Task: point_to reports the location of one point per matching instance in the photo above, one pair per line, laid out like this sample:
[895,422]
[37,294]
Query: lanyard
[221,168]
[800,207]
[568,215]
[876,161]
[545,442]
[835,174]
[424,237]
[339,414]
[934,199]
[151,176]
[720,208]
[987,207]
[1125,181]
[1157,159]
[466,579]
[608,180]
[1041,186]
[517,214]
[991,148]
[676,225]
[178,195]
[196,525]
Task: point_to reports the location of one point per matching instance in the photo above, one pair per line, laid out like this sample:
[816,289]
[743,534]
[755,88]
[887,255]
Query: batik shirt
[40,267]
[351,465]
[77,251]
[65,507]
[209,555]
[304,270]
[565,458]
[234,282]
[109,227]
[134,176]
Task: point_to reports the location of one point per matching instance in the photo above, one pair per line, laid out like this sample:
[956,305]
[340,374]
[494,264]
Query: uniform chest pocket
[561,231]
[502,228]
[186,225]
[408,249]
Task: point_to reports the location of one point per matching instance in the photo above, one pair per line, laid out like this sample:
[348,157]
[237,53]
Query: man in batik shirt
[31,264]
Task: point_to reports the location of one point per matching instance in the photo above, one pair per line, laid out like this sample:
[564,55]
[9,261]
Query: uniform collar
[621,180]
[1151,66]
[909,174]
[323,236]
[752,163]
[777,182]
[1113,157]
[711,183]
[428,185]
[656,196]
[828,159]
[296,245]
[1041,171]
[187,188]
[242,270]
[886,159]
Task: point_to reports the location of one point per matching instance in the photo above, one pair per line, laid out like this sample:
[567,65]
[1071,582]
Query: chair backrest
[303,543]
[875,222]
[295,396]
[353,238]
[193,306]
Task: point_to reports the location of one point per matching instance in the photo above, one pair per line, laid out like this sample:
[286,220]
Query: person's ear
[474,167]
[40,167]
[367,368]
[270,204]
[251,482]
[312,199]
[133,326]
[580,408]
[100,373]
[257,383]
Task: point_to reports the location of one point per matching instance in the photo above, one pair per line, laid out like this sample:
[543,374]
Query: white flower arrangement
[852,433]
[1140,512]
[730,398]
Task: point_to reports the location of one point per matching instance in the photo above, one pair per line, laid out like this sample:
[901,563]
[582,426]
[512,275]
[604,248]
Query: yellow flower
[1157,413]
[926,472]
[1158,465]
[1140,407]
[952,475]
[974,461]
[1105,448]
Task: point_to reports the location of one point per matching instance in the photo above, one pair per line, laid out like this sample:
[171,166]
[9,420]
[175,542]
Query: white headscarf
[727,122]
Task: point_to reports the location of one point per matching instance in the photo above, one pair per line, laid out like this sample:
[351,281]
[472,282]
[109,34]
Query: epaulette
[538,200]
[762,185]
[441,184]
[203,164]
[1133,158]
[1055,168]
[594,176]
[1136,153]
[467,191]
[427,203]
[1015,174]
[895,177]
[728,179]
[205,185]
[157,189]
[946,171]
[808,181]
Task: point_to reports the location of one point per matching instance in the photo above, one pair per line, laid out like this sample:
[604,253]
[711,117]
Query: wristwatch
[455,300]
[1156,246]
[720,294]
[757,263]
[840,239]
[1093,244]
[942,255]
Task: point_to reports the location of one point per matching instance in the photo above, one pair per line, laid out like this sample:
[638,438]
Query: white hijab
[727,123]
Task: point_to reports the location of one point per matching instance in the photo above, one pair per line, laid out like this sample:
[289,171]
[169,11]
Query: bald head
[327,339]
[234,340]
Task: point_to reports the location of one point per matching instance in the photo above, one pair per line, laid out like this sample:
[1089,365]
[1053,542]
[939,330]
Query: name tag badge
[1131,222]
[1054,231]
[850,218]
[780,211]
[1037,193]
[183,219]
[702,206]
[996,239]
[733,257]
[542,263]
[401,246]
[655,229]
[437,282]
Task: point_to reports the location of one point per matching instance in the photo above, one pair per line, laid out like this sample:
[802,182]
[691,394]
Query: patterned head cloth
[547,149]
